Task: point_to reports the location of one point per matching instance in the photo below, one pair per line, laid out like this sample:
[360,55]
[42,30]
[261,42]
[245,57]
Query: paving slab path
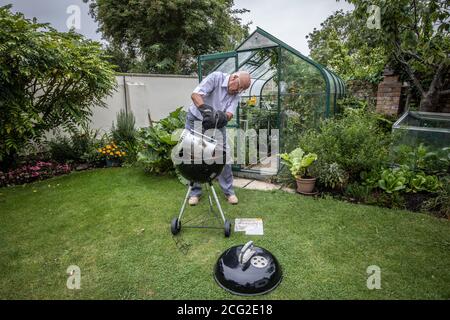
[258,185]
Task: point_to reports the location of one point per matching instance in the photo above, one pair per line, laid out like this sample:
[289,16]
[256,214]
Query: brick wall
[388,95]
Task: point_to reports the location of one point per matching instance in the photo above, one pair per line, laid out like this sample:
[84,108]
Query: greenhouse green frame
[297,82]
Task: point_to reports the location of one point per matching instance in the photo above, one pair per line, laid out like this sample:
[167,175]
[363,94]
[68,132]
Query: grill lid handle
[246,252]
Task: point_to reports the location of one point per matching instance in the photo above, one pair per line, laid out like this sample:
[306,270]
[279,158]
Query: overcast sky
[288,20]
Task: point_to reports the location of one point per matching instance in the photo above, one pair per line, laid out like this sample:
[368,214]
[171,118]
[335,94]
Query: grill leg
[209,199]
[218,203]
[184,204]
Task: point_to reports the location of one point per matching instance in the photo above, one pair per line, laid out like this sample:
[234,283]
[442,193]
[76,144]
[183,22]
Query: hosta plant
[299,162]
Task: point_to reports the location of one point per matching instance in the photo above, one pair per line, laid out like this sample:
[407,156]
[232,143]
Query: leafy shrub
[358,191]
[80,146]
[330,175]
[82,141]
[61,149]
[48,79]
[354,142]
[32,172]
[352,102]
[402,154]
[157,142]
[124,133]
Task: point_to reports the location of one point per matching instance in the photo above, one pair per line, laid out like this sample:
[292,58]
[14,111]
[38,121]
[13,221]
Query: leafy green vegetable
[298,161]
[393,180]
[157,142]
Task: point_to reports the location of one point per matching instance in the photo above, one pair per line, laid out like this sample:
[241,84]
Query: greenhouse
[289,92]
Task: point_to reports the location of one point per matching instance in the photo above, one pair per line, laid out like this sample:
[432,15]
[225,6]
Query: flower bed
[34,171]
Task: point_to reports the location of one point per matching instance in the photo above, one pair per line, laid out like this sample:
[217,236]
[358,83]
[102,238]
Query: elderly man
[217,93]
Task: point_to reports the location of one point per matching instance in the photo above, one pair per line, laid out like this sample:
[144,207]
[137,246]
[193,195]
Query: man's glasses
[240,89]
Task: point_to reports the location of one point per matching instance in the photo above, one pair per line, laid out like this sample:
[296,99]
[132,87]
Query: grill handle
[246,252]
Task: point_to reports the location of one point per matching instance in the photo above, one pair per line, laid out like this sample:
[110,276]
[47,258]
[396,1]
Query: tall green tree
[345,46]
[48,79]
[166,36]
[415,34]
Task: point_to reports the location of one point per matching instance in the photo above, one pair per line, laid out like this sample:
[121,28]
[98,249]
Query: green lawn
[114,224]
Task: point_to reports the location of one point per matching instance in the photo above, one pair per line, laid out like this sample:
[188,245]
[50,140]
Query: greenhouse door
[259,113]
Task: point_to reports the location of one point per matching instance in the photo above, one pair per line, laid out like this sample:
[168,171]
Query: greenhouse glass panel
[256,115]
[302,98]
[269,88]
[333,94]
[256,41]
[261,70]
[244,55]
[210,66]
[224,62]
[258,85]
[258,64]
[248,67]
[227,66]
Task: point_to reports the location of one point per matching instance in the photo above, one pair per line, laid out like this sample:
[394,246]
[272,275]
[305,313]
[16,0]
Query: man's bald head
[238,82]
[244,76]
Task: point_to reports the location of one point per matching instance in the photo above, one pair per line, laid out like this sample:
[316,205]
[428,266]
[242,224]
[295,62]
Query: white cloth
[214,90]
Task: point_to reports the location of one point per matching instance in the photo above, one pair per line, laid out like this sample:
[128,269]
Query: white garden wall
[143,94]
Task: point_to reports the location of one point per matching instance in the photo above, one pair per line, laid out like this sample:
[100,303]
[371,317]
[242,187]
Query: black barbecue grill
[199,159]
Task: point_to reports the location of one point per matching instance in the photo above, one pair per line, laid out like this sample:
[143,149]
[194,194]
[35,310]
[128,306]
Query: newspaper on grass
[251,226]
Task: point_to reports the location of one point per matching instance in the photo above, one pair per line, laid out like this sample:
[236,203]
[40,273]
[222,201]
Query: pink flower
[44,164]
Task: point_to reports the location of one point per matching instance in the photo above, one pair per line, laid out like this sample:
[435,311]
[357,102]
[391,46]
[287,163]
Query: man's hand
[208,115]
[206,110]
[213,118]
[222,119]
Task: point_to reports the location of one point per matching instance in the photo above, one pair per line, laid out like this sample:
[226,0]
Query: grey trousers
[225,178]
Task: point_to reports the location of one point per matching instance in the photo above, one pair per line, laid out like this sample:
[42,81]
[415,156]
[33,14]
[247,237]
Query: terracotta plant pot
[305,185]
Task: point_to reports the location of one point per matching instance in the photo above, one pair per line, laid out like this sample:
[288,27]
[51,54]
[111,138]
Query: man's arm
[197,99]
[204,88]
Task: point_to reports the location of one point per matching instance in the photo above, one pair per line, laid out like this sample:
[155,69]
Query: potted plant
[298,163]
[112,154]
